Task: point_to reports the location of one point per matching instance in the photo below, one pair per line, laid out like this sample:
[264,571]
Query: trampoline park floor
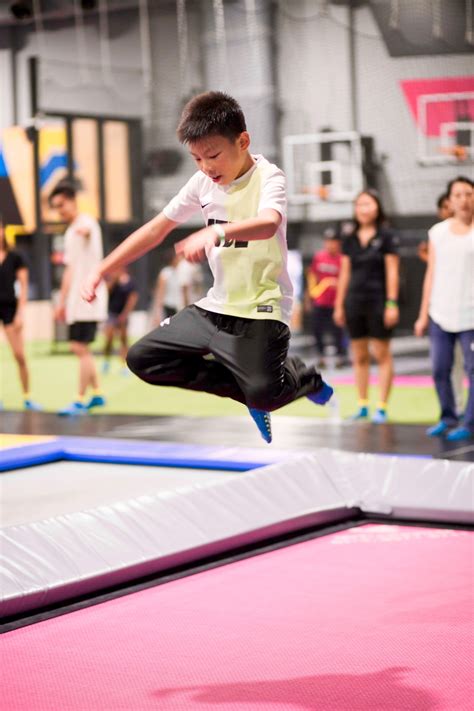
[364,614]
[289,433]
[369,618]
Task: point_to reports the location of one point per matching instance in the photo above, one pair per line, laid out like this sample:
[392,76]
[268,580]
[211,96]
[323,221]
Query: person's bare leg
[87,369]
[108,340]
[93,376]
[123,343]
[14,336]
[383,356]
[361,360]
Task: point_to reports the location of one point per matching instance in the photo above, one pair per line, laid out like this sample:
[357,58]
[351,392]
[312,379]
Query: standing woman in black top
[367,298]
[13,269]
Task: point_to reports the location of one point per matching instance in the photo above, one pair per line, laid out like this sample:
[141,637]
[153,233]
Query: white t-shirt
[452,293]
[173,296]
[83,255]
[250,278]
[190,276]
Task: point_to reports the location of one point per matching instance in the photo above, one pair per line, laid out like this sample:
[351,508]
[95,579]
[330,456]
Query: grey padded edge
[65,556]
[410,488]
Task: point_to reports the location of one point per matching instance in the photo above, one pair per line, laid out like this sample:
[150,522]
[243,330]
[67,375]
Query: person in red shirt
[321,296]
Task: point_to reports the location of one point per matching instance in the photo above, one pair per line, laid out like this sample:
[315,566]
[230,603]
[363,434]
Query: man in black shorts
[82,252]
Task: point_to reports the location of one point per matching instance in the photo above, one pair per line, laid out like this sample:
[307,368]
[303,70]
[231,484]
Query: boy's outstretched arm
[136,245]
[263,226]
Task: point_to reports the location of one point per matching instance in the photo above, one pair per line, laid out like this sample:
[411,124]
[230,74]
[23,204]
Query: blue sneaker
[361,414]
[32,406]
[437,430]
[323,395]
[75,408]
[459,433]
[263,422]
[95,401]
[380,417]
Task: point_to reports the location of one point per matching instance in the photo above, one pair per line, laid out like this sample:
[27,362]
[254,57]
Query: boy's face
[332,246]
[65,207]
[222,159]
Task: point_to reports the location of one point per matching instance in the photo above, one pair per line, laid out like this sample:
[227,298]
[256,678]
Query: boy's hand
[89,286]
[194,247]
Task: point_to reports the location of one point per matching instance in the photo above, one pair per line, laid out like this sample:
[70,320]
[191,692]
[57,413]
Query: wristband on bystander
[219,230]
[391,303]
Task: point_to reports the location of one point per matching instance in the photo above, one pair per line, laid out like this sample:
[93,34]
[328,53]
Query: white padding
[63,556]
[403,487]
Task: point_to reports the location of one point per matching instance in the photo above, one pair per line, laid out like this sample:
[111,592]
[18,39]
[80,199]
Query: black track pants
[248,361]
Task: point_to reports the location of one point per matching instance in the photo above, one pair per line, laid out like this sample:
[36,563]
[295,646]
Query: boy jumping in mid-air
[241,324]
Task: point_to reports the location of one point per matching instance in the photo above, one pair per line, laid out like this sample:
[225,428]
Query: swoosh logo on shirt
[203,206]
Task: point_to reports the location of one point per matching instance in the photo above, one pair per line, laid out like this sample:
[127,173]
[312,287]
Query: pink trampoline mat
[374,618]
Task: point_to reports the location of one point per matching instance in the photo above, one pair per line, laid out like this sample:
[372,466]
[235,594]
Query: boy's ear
[244,140]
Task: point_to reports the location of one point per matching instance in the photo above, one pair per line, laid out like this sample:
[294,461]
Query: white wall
[247,75]
[66,86]
[314,91]
[308,53]
[385,115]
[312,68]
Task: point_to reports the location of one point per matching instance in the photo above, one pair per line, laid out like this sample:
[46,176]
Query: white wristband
[219,230]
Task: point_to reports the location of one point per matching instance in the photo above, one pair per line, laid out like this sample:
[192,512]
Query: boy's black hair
[441,199]
[64,187]
[211,114]
[459,179]
[381,219]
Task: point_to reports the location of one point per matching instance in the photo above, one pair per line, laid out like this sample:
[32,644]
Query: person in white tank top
[448,306]
[443,209]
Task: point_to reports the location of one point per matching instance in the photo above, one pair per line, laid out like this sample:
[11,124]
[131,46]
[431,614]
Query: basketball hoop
[319,191]
[458,152]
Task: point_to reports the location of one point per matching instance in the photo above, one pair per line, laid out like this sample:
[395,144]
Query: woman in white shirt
[448,306]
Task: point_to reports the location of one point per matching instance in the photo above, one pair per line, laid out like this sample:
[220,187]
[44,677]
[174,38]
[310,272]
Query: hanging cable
[251,20]
[469,36]
[145,43]
[221,43]
[182,45]
[104,43]
[84,72]
[394,18]
[39,30]
[437,24]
